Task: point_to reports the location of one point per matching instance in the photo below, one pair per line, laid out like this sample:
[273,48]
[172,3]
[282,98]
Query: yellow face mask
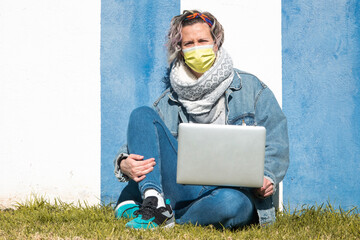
[200,59]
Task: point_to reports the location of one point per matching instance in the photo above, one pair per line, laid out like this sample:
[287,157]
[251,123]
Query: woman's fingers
[150,161]
[138,179]
[137,168]
[143,169]
[266,190]
[269,191]
[136,157]
[147,169]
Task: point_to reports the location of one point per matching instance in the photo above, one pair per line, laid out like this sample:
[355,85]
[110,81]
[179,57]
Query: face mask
[200,59]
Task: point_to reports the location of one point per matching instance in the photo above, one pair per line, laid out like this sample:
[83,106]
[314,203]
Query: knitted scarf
[203,97]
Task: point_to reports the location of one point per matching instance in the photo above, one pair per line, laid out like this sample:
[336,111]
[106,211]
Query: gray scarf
[203,97]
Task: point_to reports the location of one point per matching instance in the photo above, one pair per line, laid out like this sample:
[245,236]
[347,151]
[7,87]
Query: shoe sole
[170,225]
[167,226]
[128,202]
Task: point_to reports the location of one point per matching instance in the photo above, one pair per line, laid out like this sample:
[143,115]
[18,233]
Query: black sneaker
[150,217]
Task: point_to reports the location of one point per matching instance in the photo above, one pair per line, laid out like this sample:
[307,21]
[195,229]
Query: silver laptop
[222,155]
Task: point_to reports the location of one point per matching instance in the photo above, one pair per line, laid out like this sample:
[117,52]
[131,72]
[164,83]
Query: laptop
[221,155]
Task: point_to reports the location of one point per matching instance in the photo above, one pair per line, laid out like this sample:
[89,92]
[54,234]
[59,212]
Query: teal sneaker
[150,217]
[127,209]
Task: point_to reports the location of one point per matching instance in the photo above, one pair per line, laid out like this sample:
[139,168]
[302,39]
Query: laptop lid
[222,155]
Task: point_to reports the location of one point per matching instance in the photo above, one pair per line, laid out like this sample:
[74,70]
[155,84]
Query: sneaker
[150,217]
[127,209]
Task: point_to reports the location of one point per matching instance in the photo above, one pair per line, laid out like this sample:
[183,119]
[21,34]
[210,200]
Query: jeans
[221,206]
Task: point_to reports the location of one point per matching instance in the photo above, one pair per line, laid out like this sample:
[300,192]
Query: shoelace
[146,211]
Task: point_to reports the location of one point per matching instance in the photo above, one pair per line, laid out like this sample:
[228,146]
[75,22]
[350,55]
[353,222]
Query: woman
[204,88]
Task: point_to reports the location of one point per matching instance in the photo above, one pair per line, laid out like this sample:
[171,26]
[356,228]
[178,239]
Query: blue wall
[133,63]
[321,99]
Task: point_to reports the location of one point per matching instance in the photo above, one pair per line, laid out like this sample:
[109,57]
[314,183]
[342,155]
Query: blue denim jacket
[249,100]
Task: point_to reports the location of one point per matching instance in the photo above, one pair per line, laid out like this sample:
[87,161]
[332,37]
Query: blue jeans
[221,206]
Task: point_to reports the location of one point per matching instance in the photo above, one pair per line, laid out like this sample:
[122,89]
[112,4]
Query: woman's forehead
[197,30]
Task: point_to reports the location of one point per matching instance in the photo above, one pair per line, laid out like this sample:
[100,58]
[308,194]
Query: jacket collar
[237,82]
[173,95]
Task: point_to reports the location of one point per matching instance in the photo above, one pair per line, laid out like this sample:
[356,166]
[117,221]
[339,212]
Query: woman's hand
[136,168]
[266,190]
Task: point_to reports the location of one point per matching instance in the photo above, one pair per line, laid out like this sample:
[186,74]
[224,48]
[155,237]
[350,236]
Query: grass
[38,219]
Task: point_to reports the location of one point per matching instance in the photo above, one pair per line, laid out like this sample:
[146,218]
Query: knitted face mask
[200,59]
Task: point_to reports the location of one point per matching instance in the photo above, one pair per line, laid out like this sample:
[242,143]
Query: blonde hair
[175,37]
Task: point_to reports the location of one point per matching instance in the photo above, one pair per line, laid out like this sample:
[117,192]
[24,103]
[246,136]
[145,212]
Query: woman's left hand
[266,190]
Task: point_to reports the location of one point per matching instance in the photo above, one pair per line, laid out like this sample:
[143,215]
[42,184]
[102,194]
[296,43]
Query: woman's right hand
[136,168]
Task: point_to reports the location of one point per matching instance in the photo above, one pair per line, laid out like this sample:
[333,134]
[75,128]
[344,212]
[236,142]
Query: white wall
[49,100]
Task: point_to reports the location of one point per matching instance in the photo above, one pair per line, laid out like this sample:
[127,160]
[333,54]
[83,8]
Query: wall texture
[50,82]
[321,99]
[133,63]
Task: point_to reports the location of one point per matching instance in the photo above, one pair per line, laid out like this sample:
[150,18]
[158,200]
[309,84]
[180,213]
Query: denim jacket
[247,99]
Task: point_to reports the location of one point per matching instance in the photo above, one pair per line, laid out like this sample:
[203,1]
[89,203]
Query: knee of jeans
[141,113]
[232,202]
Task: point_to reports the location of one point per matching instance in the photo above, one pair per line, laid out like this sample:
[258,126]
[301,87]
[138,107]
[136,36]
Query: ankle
[153,193]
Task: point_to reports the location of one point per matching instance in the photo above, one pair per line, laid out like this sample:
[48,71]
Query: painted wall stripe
[321,59]
[133,63]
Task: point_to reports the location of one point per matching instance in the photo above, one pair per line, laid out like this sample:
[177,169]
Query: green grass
[38,219]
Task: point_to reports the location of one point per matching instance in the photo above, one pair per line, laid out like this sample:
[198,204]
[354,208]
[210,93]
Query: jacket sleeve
[122,154]
[269,114]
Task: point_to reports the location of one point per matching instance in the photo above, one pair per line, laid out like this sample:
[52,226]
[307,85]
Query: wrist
[119,168]
[121,163]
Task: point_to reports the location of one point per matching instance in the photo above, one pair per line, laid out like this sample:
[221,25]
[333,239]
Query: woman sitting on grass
[203,88]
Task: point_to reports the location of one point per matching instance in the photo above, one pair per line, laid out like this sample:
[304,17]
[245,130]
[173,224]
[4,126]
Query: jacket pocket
[248,118]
